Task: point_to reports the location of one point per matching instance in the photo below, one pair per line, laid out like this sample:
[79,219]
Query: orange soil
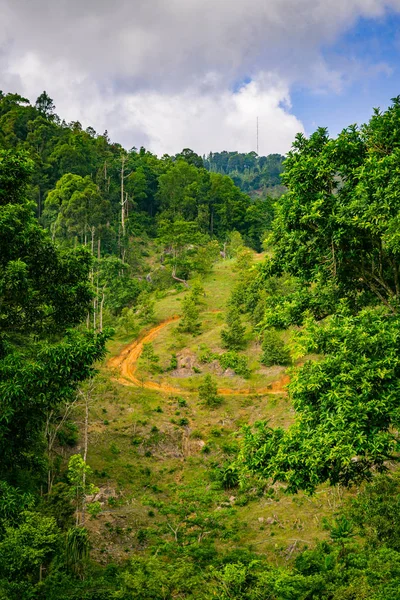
[126,365]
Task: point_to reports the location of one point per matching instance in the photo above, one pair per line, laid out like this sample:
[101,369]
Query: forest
[251,173]
[199,366]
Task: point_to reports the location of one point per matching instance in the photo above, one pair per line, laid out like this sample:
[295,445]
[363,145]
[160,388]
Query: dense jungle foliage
[252,173]
[91,237]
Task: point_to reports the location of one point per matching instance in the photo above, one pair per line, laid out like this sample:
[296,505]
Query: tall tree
[340,217]
[44,293]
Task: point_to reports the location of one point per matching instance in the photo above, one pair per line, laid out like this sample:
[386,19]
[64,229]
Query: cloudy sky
[169,74]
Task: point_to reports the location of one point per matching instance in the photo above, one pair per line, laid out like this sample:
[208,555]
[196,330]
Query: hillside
[255,175]
[153,449]
[199,392]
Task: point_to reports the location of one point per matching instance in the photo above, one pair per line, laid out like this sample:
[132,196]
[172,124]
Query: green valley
[199,388]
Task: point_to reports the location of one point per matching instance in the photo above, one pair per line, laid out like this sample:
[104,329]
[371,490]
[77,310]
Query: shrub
[208,392]
[68,435]
[127,323]
[244,259]
[233,360]
[173,363]
[275,351]
[233,335]
[151,358]
[205,355]
[197,292]
[190,319]
[146,309]
[228,476]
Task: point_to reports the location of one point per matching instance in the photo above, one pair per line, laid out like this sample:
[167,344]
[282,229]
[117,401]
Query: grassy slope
[142,456]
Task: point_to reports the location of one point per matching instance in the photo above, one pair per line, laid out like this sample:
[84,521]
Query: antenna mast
[257,136]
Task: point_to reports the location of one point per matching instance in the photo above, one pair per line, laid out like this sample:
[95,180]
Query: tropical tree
[346,404]
[76,209]
[44,293]
[339,219]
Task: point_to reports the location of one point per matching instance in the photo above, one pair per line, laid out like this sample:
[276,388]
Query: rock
[215,367]
[270,521]
[229,373]
[261,519]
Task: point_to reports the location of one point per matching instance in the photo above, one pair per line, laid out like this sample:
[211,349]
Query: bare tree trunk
[122,196]
[124,202]
[98,248]
[86,394]
[101,311]
[51,431]
[85,449]
[185,283]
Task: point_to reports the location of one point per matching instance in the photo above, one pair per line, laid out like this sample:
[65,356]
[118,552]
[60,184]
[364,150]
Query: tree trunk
[122,196]
[185,283]
[101,312]
[85,449]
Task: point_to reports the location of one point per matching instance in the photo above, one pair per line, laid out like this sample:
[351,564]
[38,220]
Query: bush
[146,309]
[189,322]
[206,356]
[228,476]
[68,435]
[173,363]
[233,360]
[151,358]
[244,259]
[235,243]
[197,292]
[233,335]
[205,257]
[208,392]
[275,351]
[127,323]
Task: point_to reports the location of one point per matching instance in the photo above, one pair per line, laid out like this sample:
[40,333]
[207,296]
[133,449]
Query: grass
[144,458]
[148,448]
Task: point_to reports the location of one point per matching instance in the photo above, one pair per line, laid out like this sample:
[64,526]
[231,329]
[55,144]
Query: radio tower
[257,136]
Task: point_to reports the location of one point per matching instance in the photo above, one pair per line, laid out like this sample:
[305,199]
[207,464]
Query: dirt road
[125,366]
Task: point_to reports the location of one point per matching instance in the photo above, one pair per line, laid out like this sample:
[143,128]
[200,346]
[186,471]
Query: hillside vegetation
[199,391]
[256,175]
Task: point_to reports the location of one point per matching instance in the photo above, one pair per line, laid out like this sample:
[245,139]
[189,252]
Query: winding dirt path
[125,364]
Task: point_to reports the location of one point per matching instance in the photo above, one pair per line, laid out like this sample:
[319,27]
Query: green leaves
[346,407]
[208,392]
[15,171]
[44,292]
[233,336]
[339,218]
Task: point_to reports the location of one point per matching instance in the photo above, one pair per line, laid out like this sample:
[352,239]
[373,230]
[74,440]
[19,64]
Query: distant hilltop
[252,173]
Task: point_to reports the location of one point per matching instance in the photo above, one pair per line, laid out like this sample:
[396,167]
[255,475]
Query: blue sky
[173,74]
[369,57]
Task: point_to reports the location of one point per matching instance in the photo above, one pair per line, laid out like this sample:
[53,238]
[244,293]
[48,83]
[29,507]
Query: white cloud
[165,73]
[217,121]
